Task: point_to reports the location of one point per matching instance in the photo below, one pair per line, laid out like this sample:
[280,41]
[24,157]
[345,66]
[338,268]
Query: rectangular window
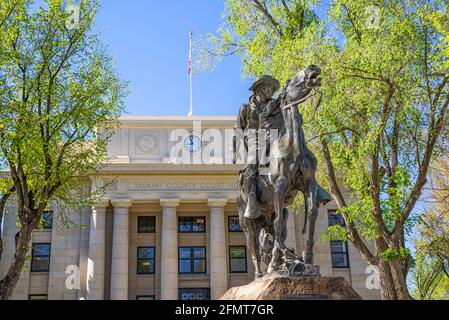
[46,222]
[339,249]
[192,259]
[146,224]
[145,298]
[40,257]
[38,297]
[194,294]
[237,259]
[192,224]
[234,224]
[145,260]
[339,253]
[335,218]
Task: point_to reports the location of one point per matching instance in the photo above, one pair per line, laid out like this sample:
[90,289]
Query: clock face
[192,143]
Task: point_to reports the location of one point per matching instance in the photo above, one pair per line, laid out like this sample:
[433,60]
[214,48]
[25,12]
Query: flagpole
[191,75]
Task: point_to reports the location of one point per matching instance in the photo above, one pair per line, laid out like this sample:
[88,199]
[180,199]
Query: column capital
[217,202]
[169,202]
[102,204]
[121,203]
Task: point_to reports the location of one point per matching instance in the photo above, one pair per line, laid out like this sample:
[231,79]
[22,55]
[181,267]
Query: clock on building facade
[193,143]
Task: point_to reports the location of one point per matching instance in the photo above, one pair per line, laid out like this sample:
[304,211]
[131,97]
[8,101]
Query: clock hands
[192,143]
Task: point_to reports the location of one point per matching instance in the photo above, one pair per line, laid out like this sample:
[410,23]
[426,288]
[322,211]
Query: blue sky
[150,44]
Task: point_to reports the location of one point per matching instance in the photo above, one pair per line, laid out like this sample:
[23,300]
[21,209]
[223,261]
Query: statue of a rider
[292,169]
[250,118]
[261,114]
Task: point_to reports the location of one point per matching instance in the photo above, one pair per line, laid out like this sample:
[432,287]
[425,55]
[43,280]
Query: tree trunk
[393,284]
[387,289]
[399,280]
[9,282]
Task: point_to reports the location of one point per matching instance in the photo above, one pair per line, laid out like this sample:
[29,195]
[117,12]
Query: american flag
[190,54]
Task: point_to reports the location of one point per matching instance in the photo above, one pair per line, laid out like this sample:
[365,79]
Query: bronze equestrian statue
[263,198]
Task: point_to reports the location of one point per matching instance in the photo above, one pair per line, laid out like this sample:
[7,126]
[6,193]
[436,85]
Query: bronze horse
[294,172]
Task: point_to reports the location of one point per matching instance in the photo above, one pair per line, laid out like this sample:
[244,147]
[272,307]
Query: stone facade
[96,256]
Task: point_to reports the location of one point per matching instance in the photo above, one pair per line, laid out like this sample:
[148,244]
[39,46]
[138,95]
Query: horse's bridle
[291,104]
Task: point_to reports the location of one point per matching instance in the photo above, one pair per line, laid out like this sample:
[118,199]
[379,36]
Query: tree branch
[13,7]
[286,8]
[421,180]
[341,203]
[357,32]
[426,66]
[375,183]
[263,8]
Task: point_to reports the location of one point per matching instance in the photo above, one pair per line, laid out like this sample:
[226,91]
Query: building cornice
[170,170]
[176,121]
[167,174]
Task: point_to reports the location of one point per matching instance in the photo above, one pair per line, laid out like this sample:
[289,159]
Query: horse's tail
[306,209]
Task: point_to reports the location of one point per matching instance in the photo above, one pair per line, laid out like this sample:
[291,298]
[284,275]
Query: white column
[120,248]
[218,266]
[169,250]
[96,255]
[290,242]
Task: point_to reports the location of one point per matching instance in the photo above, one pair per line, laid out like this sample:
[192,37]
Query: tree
[57,86]
[8,10]
[385,97]
[430,273]
[433,225]
[440,21]
[429,280]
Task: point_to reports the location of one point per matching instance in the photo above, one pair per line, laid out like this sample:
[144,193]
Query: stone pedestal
[277,287]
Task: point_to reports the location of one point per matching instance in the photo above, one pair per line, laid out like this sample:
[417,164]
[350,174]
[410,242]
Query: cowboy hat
[265,81]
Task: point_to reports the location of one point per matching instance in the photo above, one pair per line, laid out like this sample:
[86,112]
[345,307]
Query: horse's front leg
[312,205]
[279,223]
[252,233]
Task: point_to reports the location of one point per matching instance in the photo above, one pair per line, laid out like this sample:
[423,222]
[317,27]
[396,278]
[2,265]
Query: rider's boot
[252,210]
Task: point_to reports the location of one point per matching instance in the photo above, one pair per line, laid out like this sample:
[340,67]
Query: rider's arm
[242,118]
[239,125]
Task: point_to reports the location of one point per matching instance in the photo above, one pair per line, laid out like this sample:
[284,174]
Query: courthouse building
[162,230]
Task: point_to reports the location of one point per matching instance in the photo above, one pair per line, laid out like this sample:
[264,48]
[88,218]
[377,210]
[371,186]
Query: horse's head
[300,86]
